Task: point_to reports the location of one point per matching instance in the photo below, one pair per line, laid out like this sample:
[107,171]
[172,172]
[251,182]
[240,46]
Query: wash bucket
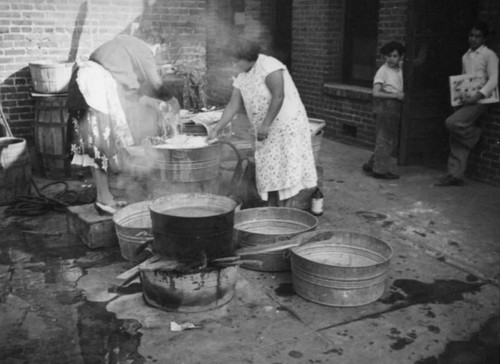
[133,229]
[51,77]
[340,268]
[15,169]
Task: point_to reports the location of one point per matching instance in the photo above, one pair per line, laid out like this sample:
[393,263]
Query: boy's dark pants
[464,135]
[388,115]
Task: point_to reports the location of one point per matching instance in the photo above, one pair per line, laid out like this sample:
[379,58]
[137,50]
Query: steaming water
[182,141]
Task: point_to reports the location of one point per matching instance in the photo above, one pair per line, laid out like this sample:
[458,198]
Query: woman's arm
[232,107]
[275,82]
[379,92]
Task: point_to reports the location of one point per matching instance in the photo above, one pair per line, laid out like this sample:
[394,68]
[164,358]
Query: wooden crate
[94,230]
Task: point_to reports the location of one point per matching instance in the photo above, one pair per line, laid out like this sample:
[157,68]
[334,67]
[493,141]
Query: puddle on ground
[285,290]
[371,216]
[46,269]
[104,338]
[401,341]
[440,291]
[481,348]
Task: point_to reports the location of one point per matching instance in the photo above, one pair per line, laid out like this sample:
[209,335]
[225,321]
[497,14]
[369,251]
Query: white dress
[284,161]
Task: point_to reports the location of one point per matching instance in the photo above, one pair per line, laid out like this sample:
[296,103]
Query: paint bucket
[15,169]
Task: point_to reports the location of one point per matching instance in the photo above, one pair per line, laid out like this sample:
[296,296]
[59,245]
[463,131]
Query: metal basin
[133,228]
[338,268]
[189,292]
[185,165]
[268,225]
[193,226]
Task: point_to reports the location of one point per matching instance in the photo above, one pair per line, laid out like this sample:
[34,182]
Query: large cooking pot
[193,226]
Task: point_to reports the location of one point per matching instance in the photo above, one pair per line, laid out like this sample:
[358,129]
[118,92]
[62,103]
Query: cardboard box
[463,86]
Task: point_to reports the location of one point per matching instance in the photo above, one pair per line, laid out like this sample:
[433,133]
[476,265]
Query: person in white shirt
[462,124]
[387,96]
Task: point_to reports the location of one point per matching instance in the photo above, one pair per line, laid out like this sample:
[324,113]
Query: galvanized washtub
[185,164]
[339,268]
[133,229]
[267,225]
[194,291]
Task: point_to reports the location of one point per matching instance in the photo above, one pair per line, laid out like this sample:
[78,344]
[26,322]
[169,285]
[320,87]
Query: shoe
[367,168]
[449,180]
[387,175]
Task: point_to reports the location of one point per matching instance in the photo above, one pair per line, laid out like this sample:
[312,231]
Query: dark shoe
[367,168]
[387,175]
[449,180]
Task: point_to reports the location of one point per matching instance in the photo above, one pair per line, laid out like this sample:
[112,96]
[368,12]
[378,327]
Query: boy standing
[387,96]
[464,132]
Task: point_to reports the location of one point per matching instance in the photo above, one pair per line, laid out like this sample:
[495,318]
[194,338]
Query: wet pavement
[61,302]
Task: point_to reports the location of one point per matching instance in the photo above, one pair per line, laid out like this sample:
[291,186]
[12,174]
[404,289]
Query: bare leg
[272,199]
[104,195]
[285,203]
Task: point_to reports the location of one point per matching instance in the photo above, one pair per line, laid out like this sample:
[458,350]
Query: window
[360,42]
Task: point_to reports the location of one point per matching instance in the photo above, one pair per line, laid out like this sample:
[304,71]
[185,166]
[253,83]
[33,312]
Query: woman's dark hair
[240,48]
[481,26]
[392,46]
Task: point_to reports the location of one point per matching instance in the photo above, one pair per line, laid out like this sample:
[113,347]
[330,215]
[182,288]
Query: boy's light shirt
[390,78]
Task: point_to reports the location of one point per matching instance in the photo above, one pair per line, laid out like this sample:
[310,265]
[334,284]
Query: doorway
[436,40]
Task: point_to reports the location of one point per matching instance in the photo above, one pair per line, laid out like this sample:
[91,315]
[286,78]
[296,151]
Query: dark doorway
[436,41]
[282,31]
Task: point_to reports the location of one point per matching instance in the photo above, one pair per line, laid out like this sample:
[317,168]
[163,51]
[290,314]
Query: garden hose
[40,203]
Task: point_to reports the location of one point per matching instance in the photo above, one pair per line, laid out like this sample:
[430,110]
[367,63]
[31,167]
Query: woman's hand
[213,132]
[263,132]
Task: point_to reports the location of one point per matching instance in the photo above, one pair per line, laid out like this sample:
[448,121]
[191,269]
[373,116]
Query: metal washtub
[193,291]
[185,165]
[338,268]
[268,225]
[133,228]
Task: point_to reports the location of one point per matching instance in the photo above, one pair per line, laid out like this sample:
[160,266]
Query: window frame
[348,43]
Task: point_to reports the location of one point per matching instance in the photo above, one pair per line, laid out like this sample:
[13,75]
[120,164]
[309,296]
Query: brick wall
[58,30]
[484,161]
[317,59]
[220,15]
[61,29]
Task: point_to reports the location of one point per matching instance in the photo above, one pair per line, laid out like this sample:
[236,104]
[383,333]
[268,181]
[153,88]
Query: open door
[436,40]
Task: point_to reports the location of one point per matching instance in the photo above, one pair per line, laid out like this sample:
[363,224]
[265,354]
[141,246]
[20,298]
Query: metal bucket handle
[179,154]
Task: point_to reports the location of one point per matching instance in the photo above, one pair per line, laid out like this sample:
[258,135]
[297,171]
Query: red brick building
[330,46]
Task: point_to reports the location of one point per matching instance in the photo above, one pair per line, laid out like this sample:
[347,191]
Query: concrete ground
[60,302]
